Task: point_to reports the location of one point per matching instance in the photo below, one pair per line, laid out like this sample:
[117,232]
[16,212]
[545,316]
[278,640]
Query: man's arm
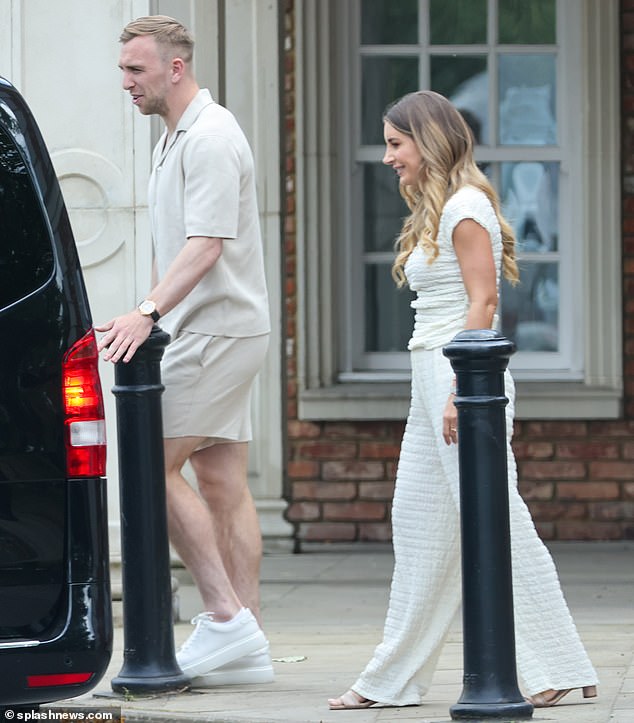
[125,334]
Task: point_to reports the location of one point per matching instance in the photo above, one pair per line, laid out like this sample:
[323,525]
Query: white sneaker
[213,644]
[253,668]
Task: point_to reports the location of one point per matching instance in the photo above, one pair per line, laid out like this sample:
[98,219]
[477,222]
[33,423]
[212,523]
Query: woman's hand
[450,422]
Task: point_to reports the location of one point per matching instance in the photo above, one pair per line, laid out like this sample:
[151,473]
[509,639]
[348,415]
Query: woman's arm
[474,252]
[472,245]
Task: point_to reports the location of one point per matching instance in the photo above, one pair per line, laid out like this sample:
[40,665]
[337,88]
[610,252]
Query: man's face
[146,75]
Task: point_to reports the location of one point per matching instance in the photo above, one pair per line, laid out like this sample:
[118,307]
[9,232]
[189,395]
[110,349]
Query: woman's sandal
[548,698]
[349,701]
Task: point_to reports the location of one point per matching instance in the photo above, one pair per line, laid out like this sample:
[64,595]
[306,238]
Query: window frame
[329,390]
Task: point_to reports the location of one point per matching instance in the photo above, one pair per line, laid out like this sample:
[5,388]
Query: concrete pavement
[323,613]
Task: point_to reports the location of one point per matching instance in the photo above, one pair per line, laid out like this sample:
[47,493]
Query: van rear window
[26,254]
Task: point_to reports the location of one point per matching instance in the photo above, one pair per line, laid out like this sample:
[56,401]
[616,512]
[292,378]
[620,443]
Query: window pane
[457,22]
[383,81]
[385,209]
[389,318]
[527,99]
[530,200]
[468,90]
[530,310]
[525,22]
[26,256]
[385,22]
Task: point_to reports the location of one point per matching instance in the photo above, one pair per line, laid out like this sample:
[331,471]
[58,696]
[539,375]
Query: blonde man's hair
[445,143]
[169,34]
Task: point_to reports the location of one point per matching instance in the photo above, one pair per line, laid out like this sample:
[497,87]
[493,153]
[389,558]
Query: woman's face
[401,152]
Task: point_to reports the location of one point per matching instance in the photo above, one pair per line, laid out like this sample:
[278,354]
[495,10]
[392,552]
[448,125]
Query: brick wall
[342,479]
[576,476]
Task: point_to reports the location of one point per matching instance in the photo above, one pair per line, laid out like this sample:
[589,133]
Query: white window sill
[390,400]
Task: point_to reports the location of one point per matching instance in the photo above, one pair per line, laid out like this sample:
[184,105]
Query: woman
[451,251]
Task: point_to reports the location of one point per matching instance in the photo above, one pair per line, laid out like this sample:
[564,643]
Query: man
[209,291]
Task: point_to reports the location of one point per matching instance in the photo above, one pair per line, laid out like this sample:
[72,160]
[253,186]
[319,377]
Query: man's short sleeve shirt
[203,184]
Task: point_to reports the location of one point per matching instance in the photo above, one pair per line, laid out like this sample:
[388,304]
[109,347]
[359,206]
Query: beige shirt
[203,184]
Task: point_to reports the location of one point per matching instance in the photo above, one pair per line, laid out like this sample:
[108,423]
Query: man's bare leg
[193,533]
[205,539]
[221,471]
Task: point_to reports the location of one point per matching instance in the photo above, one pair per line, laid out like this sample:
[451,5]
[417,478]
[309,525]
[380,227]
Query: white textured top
[441,303]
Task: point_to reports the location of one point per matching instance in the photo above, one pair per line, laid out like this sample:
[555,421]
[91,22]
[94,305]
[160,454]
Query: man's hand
[124,335]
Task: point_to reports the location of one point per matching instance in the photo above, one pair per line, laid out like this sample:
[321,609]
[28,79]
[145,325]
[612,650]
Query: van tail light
[83,406]
[46,681]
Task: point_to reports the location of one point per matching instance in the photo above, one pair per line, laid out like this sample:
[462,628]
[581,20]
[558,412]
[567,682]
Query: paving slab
[323,613]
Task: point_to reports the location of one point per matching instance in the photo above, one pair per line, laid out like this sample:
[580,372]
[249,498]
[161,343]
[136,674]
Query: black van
[55,605]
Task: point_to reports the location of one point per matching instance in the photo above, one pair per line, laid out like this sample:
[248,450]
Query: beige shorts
[208,381]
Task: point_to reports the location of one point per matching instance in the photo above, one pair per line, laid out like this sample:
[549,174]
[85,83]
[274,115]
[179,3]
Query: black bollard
[149,665]
[490,690]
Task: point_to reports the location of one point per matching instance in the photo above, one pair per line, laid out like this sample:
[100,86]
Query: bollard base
[145,686]
[491,711]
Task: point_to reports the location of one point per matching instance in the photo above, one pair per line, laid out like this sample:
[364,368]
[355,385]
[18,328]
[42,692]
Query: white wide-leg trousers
[426,584]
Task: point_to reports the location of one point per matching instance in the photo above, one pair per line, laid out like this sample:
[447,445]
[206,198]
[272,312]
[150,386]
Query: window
[501,65]
[26,255]
[538,82]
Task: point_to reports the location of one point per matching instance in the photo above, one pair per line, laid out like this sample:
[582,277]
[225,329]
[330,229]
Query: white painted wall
[63,57]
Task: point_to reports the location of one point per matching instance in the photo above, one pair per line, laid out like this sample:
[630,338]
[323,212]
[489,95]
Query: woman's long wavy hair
[445,143]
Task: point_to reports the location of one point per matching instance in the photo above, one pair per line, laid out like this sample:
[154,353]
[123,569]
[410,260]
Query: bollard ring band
[452,429]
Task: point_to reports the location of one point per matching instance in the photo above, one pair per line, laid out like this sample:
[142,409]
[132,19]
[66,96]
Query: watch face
[147,307]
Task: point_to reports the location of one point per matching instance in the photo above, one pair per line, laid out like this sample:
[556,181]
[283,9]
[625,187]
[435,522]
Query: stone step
[116,587]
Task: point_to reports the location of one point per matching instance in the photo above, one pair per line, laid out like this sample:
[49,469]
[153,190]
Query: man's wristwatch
[148,308]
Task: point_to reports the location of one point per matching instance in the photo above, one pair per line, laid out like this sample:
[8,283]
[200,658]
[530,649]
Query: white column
[63,57]
[101,149]
[252,93]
